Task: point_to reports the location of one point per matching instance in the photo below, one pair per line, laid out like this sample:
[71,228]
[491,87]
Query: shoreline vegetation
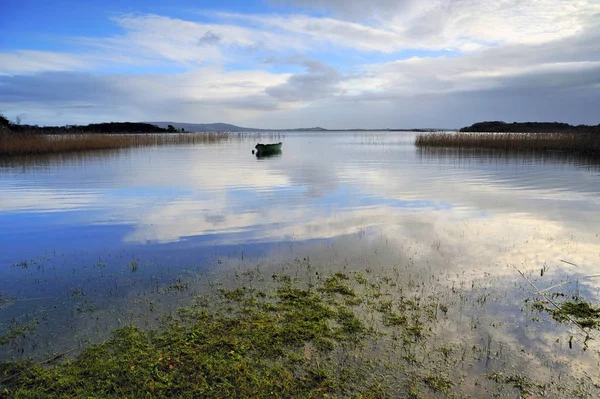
[17,140]
[568,142]
[528,127]
[343,334]
[526,136]
[23,140]
[35,144]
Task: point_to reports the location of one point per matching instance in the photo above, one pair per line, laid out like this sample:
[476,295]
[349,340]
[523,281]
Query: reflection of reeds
[27,144]
[465,155]
[582,143]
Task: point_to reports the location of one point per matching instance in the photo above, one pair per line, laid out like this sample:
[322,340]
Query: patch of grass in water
[395,319]
[522,383]
[285,338]
[578,310]
[133,266]
[23,265]
[5,299]
[236,295]
[15,331]
[334,285]
[583,312]
[255,350]
[438,382]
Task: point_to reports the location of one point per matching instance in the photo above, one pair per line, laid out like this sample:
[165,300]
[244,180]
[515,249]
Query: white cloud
[35,61]
[185,42]
[210,93]
[330,31]
[153,40]
[454,22]
[499,51]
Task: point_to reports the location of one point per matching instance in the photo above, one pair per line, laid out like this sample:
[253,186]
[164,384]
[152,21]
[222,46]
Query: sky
[301,63]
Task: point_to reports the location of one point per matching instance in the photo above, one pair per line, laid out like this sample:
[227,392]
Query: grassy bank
[12,144]
[581,143]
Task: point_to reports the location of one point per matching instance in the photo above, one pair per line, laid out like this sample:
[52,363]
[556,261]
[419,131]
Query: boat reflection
[269,154]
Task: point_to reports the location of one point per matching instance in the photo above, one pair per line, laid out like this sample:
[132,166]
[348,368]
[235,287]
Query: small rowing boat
[264,149]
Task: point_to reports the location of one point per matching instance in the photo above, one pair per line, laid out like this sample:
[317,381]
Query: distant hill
[163,127]
[226,127]
[528,127]
[309,129]
[205,127]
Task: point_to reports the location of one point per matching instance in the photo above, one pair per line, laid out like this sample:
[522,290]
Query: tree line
[529,127]
[108,127]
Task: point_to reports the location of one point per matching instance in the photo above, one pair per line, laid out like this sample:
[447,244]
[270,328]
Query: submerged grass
[338,335]
[579,311]
[573,142]
[12,144]
[250,345]
[13,332]
[526,387]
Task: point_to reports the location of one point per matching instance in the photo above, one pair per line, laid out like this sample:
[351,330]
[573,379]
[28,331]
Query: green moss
[349,322]
[438,382]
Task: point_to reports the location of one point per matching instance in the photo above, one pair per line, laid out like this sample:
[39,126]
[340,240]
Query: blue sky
[289,63]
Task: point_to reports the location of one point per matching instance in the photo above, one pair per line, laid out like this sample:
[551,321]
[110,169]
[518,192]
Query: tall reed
[25,144]
[573,142]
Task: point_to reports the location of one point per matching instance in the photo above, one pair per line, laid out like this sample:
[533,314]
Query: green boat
[267,149]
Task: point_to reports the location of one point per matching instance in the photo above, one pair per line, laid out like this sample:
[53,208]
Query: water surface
[93,241]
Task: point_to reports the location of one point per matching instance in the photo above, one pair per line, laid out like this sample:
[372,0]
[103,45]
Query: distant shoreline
[528,127]
[178,127]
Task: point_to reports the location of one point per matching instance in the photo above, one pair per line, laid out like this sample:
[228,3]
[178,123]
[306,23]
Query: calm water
[90,241]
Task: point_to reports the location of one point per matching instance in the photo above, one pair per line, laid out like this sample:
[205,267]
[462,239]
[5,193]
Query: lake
[94,241]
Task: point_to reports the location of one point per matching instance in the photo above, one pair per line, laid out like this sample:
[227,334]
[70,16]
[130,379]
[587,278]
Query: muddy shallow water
[89,242]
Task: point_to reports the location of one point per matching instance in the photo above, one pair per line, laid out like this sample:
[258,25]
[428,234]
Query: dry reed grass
[583,143]
[30,144]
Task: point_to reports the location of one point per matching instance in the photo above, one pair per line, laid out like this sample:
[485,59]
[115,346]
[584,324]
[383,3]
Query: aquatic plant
[573,142]
[578,311]
[12,144]
[14,331]
[258,350]
[343,334]
[526,387]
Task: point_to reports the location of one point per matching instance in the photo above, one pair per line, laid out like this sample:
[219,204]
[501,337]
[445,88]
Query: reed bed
[572,142]
[30,144]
